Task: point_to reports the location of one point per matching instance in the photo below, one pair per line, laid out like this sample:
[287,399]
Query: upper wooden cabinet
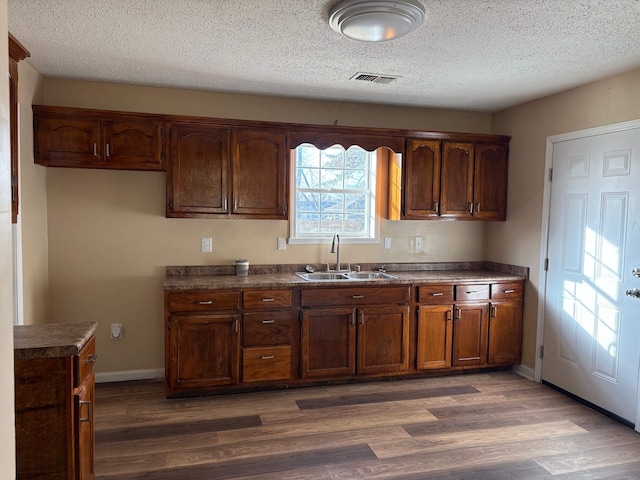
[219,172]
[455,180]
[70,137]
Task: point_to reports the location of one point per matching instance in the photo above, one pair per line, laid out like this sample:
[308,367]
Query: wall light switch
[282,243]
[207,245]
[419,243]
[387,243]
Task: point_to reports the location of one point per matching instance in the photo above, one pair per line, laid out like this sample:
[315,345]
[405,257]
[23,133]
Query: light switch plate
[387,243]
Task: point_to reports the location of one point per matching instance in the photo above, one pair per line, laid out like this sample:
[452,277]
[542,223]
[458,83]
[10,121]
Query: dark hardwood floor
[490,426]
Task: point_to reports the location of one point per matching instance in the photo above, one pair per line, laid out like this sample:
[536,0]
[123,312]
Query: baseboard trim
[127,375]
[524,371]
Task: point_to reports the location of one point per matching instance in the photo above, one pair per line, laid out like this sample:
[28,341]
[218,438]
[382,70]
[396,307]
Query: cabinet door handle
[449,315]
[89,410]
[235,204]
[458,314]
[108,150]
[95,149]
[91,359]
[225,204]
[478,207]
[471,208]
[267,357]
[362,319]
[494,311]
[268,321]
[268,299]
[205,302]
[236,326]
[439,294]
[508,291]
[436,207]
[357,296]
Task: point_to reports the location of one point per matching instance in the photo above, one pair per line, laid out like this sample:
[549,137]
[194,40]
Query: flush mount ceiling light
[376,20]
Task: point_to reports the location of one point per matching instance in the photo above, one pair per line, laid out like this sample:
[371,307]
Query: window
[333,192]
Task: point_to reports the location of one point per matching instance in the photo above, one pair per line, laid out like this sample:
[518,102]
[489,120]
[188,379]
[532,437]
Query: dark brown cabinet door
[383,339]
[68,142]
[434,336]
[85,429]
[456,196]
[328,340]
[470,334]
[491,176]
[505,333]
[197,177]
[133,144]
[259,173]
[204,350]
[422,179]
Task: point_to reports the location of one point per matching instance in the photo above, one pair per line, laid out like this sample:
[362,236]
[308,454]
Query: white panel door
[591,327]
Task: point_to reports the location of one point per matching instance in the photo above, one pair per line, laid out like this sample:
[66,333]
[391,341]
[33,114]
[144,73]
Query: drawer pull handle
[268,299]
[89,412]
[91,358]
[268,321]
[205,302]
[472,292]
[357,296]
[437,294]
[267,357]
[508,291]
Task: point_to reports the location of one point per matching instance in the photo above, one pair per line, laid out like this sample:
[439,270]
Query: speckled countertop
[51,340]
[277,276]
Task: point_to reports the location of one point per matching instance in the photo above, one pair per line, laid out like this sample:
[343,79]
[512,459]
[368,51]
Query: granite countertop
[279,276]
[51,340]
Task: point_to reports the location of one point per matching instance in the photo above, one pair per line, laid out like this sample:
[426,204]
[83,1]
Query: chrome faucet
[335,248]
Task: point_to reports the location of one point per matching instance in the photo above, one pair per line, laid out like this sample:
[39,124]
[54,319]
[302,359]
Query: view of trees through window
[334,190]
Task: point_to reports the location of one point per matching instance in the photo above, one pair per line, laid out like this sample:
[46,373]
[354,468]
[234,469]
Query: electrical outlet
[387,243]
[282,243]
[116,331]
[419,243]
[207,245]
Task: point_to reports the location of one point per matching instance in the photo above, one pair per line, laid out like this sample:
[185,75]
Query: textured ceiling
[469,54]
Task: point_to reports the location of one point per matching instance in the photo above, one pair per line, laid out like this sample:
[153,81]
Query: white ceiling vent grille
[374,78]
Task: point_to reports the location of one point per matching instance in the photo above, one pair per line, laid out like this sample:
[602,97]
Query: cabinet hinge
[546,264]
[541,351]
[551,174]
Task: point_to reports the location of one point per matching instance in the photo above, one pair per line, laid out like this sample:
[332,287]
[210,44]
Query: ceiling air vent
[374,78]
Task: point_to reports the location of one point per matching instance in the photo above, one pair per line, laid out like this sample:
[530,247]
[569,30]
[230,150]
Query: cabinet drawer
[266,363]
[266,328]
[435,294]
[203,301]
[267,299]
[84,362]
[507,291]
[354,296]
[472,292]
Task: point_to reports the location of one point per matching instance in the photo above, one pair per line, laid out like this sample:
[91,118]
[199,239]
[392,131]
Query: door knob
[636,272]
[634,292]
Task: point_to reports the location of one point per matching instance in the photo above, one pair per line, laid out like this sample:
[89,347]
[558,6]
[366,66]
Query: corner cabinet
[70,137]
[55,429]
[217,172]
[455,180]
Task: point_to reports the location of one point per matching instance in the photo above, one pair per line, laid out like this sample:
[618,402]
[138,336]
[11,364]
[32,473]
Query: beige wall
[517,241]
[33,205]
[7,422]
[109,240]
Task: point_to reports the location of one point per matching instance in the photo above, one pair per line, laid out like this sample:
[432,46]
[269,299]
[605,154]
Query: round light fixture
[376,20]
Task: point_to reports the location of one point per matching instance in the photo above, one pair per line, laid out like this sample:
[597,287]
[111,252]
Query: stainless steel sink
[333,276]
[370,276]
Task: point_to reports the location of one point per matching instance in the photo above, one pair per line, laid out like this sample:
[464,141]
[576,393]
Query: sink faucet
[335,248]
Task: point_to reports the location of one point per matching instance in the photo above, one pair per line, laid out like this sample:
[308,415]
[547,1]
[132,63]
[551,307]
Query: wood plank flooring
[491,426]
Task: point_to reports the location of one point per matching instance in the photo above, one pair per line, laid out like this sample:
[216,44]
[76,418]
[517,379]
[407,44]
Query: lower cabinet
[470,335]
[54,419]
[346,341]
[435,336]
[204,350]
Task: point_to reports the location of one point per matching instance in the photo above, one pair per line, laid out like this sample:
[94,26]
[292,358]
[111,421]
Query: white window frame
[373,221]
